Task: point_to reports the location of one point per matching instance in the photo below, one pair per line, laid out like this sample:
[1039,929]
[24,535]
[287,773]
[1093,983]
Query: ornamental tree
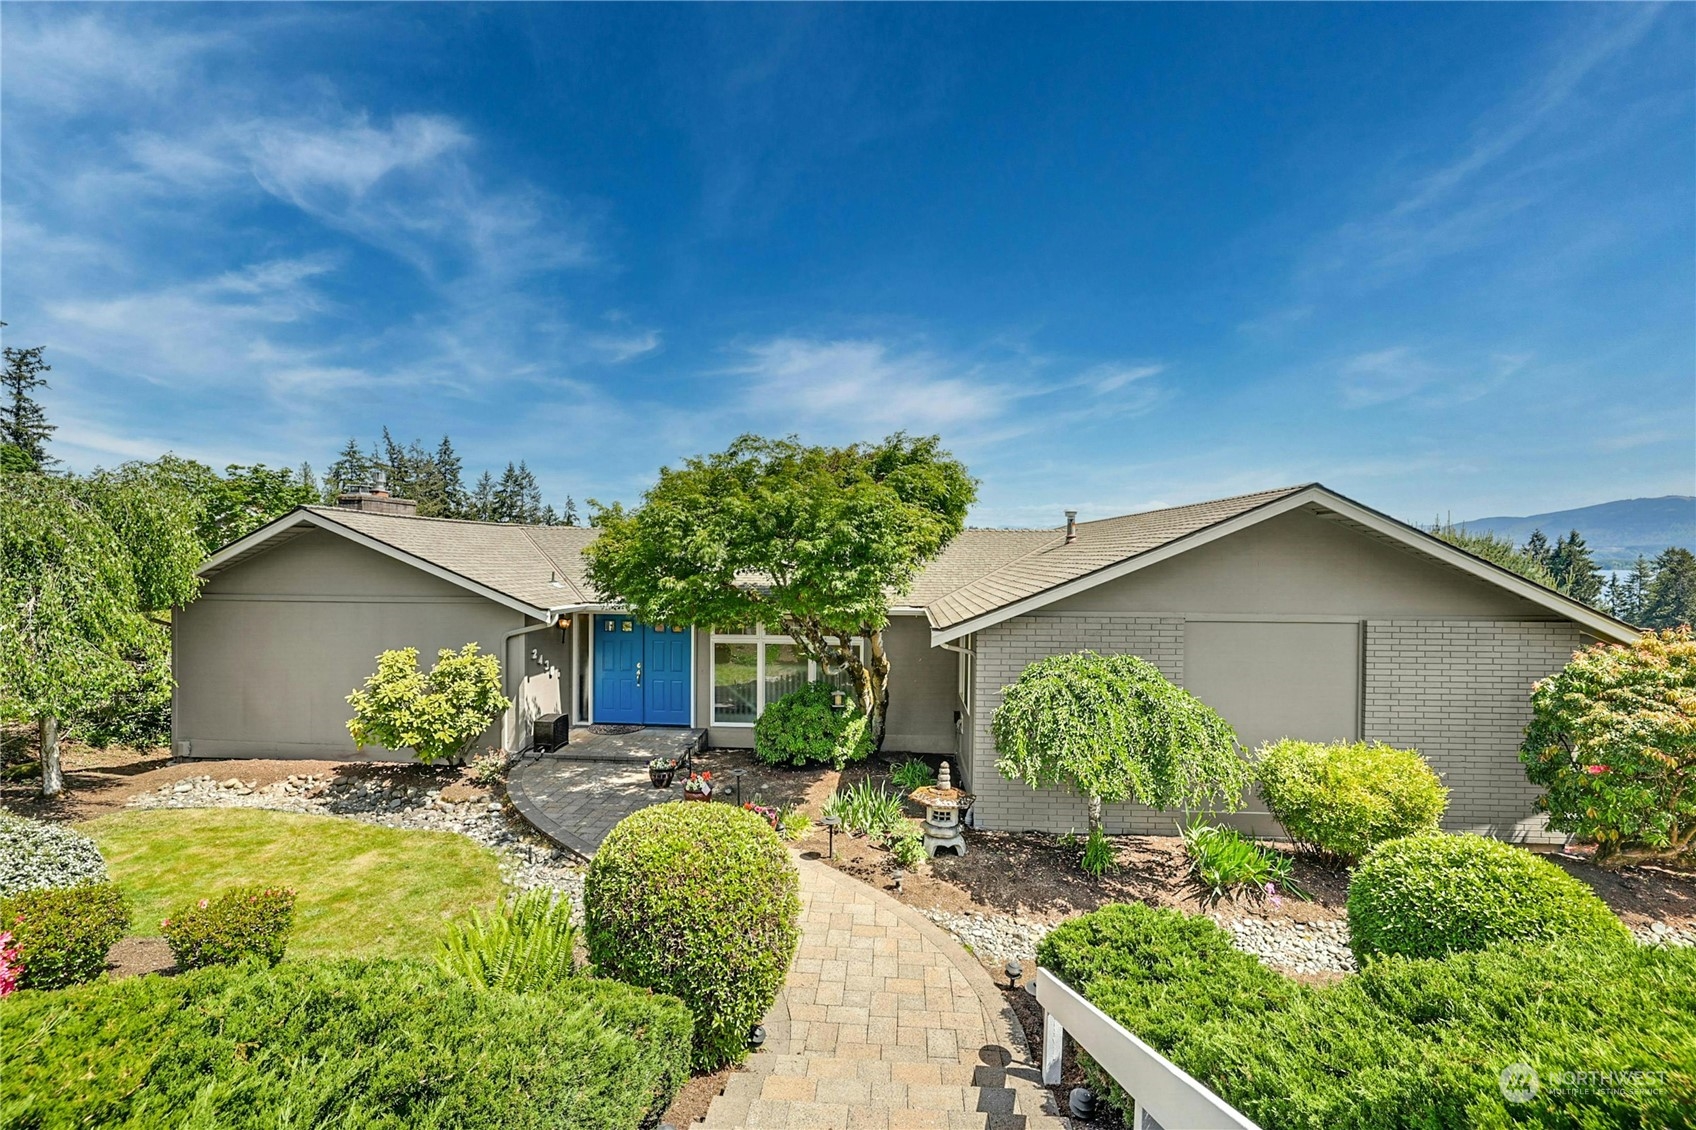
[1612,740]
[1113,728]
[436,715]
[83,566]
[813,541]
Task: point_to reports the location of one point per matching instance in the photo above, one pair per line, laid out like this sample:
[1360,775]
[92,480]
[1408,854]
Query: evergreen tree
[403,474]
[350,471]
[1537,548]
[309,482]
[1628,593]
[451,474]
[1672,594]
[1575,569]
[482,505]
[24,429]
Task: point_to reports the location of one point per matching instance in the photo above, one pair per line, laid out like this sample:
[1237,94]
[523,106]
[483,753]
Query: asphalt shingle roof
[980,571]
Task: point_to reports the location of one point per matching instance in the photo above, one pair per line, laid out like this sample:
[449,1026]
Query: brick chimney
[376,499]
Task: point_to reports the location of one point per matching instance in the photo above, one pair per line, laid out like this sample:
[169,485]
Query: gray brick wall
[1459,692]
[1007,649]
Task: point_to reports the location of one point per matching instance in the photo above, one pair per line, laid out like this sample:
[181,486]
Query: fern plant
[525,946]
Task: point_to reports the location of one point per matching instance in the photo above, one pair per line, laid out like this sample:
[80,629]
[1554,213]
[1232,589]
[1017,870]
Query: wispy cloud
[64,64]
[1401,373]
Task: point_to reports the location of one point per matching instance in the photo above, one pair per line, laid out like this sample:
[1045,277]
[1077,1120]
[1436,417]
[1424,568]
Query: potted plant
[661,770]
[698,786]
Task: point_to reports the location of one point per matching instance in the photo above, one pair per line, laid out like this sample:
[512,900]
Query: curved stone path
[885,1022]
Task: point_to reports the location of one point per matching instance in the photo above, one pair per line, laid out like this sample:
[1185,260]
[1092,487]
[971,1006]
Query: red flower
[1595,770]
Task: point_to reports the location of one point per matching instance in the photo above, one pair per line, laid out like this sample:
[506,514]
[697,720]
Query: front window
[753,669]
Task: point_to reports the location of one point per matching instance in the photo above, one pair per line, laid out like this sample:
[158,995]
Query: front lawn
[362,890]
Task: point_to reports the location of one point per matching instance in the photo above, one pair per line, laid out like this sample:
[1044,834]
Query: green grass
[361,890]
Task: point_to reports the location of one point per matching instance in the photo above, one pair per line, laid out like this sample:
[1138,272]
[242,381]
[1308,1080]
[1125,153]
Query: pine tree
[482,505]
[23,423]
[1672,594]
[1575,569]
[1537,548]
[350,471]
[451,474]
[308,481]
[403,476]
[1628,593]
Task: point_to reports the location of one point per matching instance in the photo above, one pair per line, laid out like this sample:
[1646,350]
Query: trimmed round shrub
[802,728]
[62,934]
[247,923]
[1343,800]
[1434,894]
[700,901]
[35,855]
[344,1043]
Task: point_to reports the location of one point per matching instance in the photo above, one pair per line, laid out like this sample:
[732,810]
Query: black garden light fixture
[899,875]
[831,822]
[736,774]
[1014,971]
[1082,1102]
[757,1036]
[838,699]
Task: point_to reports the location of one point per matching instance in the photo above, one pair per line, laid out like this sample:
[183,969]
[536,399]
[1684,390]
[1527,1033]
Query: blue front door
[641,672]
[618,671]
[665,675]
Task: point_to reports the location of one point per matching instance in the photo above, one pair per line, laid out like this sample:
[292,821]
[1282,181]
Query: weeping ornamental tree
[810,541]
[1112,728]
[85,567]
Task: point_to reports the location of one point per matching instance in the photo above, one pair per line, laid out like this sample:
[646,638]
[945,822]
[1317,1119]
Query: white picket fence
[1165,1095]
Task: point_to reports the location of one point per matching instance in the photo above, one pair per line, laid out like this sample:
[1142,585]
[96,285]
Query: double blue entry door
[641,672]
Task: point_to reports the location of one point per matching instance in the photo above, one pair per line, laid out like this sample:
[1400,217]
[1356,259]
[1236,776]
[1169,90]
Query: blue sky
[1439,257]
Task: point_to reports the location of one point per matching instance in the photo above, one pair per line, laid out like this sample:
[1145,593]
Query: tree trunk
[877,690]
[52,778]
[1094,814]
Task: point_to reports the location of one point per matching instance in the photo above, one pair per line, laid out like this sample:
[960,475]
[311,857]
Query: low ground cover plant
[35,854]
[339,1043]
[61,934]
[1434,893]
[1406,1042]
[803,728]
[1227,863]
[1343,799]
[913,773]
[246,924]
[1612,741]
[526,946]
[793,824]
[700,901]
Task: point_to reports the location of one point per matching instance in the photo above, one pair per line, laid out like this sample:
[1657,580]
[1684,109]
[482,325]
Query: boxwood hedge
[700,901]
[1406,1043]
[348,1044]
[1431,894]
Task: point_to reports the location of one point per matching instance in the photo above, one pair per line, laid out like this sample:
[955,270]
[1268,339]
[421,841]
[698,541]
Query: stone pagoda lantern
[945,808]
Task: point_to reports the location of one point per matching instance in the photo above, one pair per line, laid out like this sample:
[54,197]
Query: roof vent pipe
[1071,526]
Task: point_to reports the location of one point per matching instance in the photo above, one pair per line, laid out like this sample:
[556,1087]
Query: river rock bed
[1295,947]
[526,860]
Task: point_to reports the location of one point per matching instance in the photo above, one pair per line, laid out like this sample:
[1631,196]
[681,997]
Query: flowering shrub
[35,855]
[1341,800]
[1612,740]
[701,784]
[250,922]
[60,936]
[765,812]
[10,968]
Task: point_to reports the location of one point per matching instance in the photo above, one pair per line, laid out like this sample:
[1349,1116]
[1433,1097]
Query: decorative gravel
[1660,934]
[526,860]
[993,935]
[1295,947]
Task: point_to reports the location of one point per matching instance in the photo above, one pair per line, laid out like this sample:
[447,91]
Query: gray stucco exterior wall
[265,659]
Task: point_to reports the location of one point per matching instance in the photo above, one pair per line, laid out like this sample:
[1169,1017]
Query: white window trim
[759,638]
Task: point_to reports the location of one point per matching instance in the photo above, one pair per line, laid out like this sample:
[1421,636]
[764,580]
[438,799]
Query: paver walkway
[885,1022]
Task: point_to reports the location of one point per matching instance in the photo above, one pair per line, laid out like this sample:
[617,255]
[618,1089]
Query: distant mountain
[1617,532]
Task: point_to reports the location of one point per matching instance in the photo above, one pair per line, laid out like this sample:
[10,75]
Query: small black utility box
[551,732]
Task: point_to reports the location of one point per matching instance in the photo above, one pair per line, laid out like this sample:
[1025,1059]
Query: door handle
[638,672]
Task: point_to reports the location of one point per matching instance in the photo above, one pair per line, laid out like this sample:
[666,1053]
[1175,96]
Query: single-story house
[1294,612]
